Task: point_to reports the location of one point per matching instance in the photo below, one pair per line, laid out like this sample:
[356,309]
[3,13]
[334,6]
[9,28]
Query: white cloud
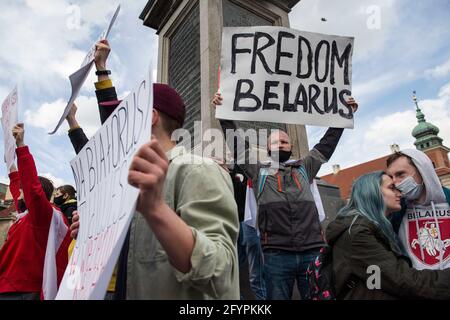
[57,182]
[439,71]
[372,138]
[364,90]
[41,45]
[70,62]
[48,114]
[351,20]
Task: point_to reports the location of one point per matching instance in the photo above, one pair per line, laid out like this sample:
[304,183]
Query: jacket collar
[175,152]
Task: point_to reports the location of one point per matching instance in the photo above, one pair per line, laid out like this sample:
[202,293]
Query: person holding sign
[183,237]
[34,256]
[288,219]
[107,103]
[182,240]
[105,92]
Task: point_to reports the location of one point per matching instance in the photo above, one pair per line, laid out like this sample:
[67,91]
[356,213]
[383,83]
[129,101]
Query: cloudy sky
[400,46]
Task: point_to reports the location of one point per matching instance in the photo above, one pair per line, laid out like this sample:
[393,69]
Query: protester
[423,223]
[185,227]
[363,239]
[27,258]
[182,240]
[107,103]
[65,199]
[288,219]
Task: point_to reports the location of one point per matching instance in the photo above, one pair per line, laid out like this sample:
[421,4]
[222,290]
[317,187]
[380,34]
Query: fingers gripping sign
[147,172]
[102,50]
[18,133]
[75,225]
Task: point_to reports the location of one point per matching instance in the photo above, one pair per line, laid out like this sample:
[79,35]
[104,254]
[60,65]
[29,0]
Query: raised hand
[102,50]
[18,133]
[217,100]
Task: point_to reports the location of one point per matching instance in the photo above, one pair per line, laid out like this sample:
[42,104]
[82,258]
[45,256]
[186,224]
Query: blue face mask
[410,189]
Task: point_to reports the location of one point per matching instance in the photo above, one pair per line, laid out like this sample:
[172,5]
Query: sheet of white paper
[9,120]
[106,202]
[78,78]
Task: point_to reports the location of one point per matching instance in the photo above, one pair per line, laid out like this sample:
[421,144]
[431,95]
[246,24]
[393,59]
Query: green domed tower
[427,140]
[426,134]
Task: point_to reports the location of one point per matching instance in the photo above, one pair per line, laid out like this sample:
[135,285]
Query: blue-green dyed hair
[367,200]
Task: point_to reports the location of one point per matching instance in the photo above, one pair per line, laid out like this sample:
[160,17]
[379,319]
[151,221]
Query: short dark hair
[396,155]
[47,186]
[168,124]
[69,190]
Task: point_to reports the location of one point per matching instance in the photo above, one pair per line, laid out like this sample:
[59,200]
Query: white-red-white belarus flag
[317,200]
[57,233]
[251,207]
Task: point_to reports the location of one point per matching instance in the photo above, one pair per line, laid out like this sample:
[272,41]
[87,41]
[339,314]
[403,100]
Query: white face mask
[410,189]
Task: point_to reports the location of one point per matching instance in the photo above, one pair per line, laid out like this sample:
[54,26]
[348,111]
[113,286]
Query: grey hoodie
[425,228]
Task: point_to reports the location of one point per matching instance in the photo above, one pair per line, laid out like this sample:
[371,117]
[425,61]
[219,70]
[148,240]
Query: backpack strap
[302,171]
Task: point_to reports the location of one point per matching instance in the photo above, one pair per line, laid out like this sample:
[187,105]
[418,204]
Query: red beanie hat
[169,102]
[165,100]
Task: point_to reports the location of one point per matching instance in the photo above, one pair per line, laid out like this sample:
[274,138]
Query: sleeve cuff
[13,175]
[105,84]
[21,151]
[202,260]
[74,128]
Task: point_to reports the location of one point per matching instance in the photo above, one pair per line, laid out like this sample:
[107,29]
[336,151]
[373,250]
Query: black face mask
[283,155]
[59,200]
[22,206]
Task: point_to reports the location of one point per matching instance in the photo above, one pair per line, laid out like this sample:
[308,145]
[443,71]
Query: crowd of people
[188,238]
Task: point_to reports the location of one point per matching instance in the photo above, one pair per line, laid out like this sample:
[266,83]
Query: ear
[155,117]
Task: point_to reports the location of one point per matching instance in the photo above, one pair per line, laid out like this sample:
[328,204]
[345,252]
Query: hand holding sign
[73,112]
[75,225]
[102,50]
[18,133]
[78,78]
[353,104]
[71,117]
[148,172]
[217,100]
